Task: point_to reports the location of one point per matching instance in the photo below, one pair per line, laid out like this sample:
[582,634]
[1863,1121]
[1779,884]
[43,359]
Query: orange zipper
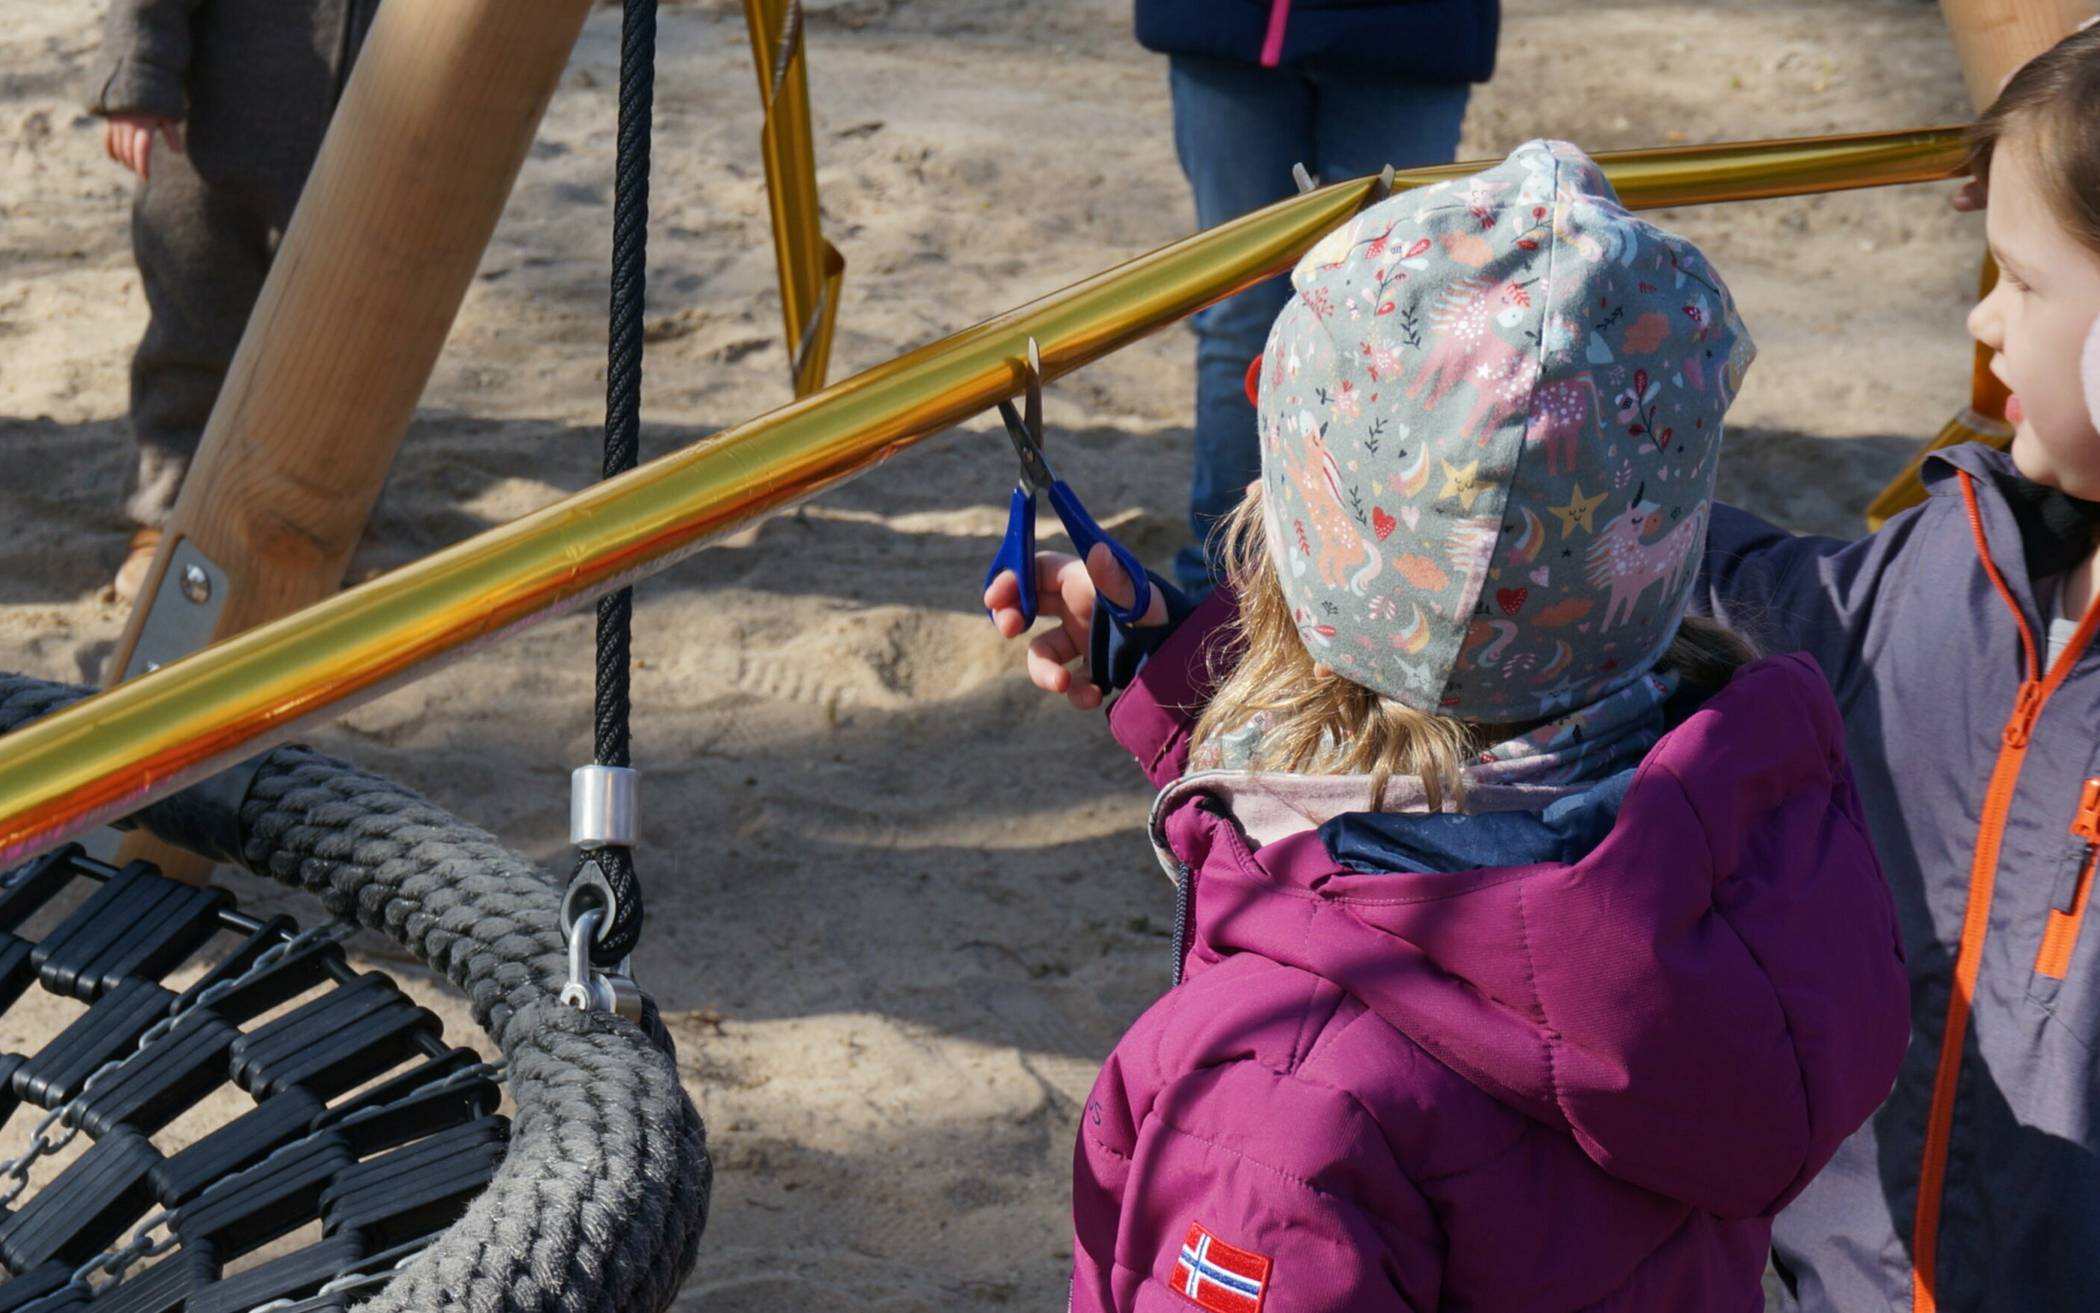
[2061,936]
[1975,923]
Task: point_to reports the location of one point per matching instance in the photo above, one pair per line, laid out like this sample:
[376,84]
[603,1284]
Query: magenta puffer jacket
[1548,1087]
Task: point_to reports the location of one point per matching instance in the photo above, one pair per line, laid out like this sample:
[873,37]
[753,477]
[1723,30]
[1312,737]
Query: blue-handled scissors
[1017,550]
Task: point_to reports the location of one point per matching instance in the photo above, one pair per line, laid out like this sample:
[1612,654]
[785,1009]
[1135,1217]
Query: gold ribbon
[811,268]
[144,739]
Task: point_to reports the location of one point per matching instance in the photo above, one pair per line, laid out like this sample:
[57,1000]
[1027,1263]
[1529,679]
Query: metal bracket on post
[181,620]
[184,613]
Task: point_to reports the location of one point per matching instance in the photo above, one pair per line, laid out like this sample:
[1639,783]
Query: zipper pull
[2060,934]
[2086,824]
[1184,899]
[2026,709]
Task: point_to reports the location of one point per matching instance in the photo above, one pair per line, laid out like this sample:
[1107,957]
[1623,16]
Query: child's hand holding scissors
[1066,590]
[1058,585]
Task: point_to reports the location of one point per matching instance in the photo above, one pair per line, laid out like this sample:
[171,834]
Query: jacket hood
[1700,1001]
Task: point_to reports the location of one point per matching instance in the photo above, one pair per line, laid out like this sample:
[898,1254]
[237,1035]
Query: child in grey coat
[1961,642]
[238,94]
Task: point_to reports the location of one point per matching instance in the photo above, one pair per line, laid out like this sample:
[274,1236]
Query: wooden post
[1994,37]
[417,163]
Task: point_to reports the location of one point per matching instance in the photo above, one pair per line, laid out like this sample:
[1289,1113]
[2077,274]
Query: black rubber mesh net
[281,1018]
[360,1120]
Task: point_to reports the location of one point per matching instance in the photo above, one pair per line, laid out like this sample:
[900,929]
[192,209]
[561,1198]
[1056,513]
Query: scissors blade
[1035,393]
[1035,472]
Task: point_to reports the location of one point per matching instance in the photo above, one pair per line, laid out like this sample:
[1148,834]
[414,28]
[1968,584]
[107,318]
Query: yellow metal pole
[811,268]
[146,738]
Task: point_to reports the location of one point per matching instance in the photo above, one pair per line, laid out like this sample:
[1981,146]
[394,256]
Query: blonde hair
[1321,723]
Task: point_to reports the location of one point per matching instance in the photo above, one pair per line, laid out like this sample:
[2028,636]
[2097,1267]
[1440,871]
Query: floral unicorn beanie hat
[1490,419]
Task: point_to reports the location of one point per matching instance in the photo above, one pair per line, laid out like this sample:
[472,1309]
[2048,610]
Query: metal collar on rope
[602,891]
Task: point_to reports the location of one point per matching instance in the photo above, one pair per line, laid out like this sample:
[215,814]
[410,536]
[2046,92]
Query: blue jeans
[1238,129]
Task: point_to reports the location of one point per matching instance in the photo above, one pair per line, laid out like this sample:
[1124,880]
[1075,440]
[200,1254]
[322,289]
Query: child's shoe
[131,576]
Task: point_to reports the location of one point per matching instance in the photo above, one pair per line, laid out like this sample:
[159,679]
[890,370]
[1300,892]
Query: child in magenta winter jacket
[1534,951]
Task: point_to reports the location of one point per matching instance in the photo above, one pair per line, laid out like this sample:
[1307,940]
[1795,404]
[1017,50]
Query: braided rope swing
[600,1199]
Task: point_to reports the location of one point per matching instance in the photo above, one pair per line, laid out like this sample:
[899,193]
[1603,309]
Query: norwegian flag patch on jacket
[1212,1274]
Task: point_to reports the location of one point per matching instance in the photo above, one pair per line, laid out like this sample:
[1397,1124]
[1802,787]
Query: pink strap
[1272,44]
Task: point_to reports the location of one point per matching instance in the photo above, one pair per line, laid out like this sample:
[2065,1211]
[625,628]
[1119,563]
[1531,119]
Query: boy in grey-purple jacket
[1974,751]
[1958,641]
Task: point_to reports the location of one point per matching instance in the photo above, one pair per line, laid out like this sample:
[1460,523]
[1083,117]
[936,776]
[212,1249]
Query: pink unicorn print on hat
[1561,412]
[1624,561]
[1338,541]
[1464,319]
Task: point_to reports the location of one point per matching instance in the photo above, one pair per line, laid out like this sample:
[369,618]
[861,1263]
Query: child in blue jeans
[1344,87]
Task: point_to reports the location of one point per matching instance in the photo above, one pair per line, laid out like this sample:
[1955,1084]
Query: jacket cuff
[1116,651]
[132,86]
[1155,714]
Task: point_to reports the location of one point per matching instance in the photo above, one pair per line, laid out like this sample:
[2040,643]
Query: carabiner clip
[591,990]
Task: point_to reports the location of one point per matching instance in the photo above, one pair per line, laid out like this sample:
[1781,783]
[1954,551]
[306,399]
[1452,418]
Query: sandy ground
[900,904]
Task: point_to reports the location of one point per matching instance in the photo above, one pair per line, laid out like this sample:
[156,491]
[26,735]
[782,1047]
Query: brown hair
[2051,108]
[1325,724]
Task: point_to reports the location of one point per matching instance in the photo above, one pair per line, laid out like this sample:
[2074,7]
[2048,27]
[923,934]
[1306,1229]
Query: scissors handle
[1085,533]
[1017,551]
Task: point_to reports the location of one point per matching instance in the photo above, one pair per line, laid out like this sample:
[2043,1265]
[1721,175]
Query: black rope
[623,423]
[623,371]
